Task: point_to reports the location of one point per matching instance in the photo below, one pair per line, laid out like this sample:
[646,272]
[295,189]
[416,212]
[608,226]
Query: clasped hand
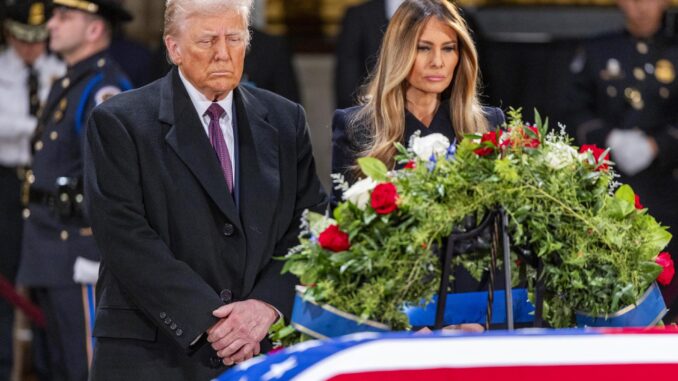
[241,326]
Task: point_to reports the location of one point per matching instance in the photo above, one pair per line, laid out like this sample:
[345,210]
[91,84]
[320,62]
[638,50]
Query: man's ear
[173,50]
[95,30]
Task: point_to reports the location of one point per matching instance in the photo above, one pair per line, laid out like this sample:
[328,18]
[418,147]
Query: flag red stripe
[617,372]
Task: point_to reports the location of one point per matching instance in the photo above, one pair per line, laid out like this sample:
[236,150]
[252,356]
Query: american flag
[526,355]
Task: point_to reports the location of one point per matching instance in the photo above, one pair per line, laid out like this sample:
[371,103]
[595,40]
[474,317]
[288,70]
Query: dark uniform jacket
[358,45]
[621,82]
[172,237]
[51,243]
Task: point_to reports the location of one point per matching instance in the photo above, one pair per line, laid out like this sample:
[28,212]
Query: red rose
[410,165]
[334,239]
[638,204]
[492,137]
[528,140]
[664,260]
[597,152]
[384,198]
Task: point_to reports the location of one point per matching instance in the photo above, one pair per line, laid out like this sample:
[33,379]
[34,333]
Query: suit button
[179,332]
[226,295]
[228,230]
[168,320]
[163,315]
[173,326]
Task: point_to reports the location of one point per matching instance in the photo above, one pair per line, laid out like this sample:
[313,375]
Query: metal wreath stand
[497,221]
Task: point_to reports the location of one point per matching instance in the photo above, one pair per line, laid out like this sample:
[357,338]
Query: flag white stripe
[489,351]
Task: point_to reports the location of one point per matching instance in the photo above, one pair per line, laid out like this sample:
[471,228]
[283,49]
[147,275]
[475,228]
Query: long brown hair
[381,120]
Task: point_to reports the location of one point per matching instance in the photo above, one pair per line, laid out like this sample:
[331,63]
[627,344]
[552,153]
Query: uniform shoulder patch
[105,93]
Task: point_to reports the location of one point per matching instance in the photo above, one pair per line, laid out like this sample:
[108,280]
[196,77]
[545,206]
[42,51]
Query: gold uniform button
[664,71]
[58,115]
[30,177]
[64,235]
[26,213]
[63,103]
[642,48]
[664,92]
[38,145]
[639,73]
[65,82]
[53,135]
[101,62]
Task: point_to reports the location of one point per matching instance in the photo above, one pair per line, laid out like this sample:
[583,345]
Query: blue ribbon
[471,307]
[325,321]
[648,311]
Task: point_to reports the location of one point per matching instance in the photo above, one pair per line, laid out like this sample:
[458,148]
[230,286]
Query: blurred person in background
[362,30]
[624,95]
[27,72]
[268,65]
[58,251]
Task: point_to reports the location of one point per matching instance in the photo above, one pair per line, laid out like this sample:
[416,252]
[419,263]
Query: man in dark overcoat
[195,184]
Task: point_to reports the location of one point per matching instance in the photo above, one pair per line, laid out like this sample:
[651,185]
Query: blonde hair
[177,11]
[382,118]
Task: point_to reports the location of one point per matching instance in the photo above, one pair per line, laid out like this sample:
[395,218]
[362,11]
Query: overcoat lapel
[259,174]
[187,138]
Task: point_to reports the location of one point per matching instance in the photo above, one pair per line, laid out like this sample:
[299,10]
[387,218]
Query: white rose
[436,144]
[560,155]
[359,193]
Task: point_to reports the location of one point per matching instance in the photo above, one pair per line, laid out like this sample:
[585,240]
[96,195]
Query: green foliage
[598,250]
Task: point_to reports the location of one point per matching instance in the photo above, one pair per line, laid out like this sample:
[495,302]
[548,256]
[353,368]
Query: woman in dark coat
[426,79]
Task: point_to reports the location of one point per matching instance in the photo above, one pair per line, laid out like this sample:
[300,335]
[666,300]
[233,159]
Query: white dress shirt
[202,103]
[16,123]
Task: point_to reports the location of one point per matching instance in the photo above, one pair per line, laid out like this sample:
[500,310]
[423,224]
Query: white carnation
[359,193]
[436,144]
[559,155]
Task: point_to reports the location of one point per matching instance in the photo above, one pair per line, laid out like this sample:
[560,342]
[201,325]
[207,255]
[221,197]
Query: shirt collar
[201,102]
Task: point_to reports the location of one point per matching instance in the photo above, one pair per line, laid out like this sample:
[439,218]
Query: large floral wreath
[599,247]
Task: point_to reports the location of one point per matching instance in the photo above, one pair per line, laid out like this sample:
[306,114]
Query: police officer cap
[111,10]
[26,20]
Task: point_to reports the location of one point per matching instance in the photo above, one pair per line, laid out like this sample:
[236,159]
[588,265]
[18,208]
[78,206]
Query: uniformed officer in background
[625,96]
[57,237]
[26,74]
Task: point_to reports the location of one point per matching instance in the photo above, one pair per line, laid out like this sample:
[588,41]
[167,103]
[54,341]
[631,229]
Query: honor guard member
[26,76]
[624,96]
[57,237]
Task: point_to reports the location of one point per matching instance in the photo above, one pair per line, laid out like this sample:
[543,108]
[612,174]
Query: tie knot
[215,111]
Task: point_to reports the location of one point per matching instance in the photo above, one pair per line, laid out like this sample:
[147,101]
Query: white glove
[631,150]
[85,271]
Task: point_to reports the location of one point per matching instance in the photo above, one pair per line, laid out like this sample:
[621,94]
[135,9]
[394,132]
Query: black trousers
[65,341]
[10,248]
